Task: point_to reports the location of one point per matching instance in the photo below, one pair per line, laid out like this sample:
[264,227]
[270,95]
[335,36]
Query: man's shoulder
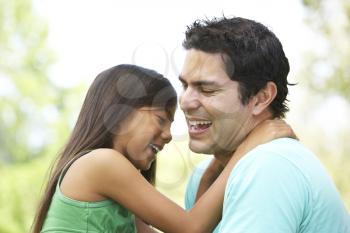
[193,182]
[282,175]
[281,145]
[198,172]
[283,151]
[269,161]
[285,162]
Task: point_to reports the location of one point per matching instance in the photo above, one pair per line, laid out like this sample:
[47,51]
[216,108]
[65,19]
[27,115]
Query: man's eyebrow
[200,82]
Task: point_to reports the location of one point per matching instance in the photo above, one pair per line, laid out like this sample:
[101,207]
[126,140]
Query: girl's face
[143,134]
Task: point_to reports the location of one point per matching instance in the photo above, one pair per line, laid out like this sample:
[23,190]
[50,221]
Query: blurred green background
[37,115]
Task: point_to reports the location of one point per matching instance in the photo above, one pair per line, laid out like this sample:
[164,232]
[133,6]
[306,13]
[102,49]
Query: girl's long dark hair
[114,94]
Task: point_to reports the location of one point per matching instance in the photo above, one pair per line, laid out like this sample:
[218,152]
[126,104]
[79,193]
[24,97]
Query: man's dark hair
[252,55]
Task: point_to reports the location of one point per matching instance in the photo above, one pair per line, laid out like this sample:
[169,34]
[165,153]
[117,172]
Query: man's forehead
[197,58]
[205,77]
[203,67]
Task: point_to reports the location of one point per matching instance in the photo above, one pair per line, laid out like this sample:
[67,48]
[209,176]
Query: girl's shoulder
[99,163]
[104,153]
[95,170]
[103,159]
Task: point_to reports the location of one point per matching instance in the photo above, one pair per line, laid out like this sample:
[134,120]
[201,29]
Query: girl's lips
[156,148]
[152,155]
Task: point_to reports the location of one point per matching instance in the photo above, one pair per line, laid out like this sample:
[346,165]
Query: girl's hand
[264,132]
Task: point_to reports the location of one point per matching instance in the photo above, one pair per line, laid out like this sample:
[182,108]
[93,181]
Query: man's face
[217,120]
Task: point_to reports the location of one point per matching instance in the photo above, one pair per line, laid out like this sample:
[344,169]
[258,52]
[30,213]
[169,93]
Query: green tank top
[69,215]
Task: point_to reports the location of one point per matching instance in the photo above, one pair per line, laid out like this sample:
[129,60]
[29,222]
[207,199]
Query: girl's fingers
[279,128]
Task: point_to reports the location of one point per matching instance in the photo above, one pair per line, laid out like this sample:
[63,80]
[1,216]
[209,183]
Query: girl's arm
[142,227]
[113,176]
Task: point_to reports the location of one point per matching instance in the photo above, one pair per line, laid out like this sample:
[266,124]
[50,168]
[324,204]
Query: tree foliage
[328,69]
[35,113]
[29,101]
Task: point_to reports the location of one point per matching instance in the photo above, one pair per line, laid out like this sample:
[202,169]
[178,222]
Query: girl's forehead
[169,112]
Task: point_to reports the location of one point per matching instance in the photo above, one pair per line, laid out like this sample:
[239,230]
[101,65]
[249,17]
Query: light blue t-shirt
[279,187]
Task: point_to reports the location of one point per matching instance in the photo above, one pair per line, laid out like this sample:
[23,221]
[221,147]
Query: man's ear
[264,97]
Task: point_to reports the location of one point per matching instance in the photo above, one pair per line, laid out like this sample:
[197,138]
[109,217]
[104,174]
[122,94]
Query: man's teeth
[197,123]
[155,148]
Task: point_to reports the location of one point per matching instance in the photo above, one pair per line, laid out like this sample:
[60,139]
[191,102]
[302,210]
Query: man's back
[281,187]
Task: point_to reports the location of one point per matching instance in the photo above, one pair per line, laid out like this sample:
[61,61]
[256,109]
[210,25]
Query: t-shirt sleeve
[193,183]
[265,193]
[191,191]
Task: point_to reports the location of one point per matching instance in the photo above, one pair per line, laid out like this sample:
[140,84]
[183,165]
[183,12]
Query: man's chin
[200,148]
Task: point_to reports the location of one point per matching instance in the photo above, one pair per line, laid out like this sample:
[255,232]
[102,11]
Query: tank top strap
[65,168]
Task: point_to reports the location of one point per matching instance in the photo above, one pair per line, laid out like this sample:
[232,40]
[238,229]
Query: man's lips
[198,126]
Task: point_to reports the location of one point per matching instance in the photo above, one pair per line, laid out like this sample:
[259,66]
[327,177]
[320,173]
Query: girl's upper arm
[115,177]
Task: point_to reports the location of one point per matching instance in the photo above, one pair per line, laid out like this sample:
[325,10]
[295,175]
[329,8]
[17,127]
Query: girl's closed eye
[161,120]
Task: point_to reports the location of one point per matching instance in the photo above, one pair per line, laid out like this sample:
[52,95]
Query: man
[234,77]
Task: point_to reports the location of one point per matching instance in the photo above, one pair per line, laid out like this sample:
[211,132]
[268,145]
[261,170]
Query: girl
[96,183]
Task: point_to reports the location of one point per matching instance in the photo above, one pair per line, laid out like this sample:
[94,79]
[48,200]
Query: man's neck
[224,157]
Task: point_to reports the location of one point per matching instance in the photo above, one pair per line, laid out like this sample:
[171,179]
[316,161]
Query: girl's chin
[146,165]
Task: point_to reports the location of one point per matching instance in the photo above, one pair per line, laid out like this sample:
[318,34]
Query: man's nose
[189,100]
